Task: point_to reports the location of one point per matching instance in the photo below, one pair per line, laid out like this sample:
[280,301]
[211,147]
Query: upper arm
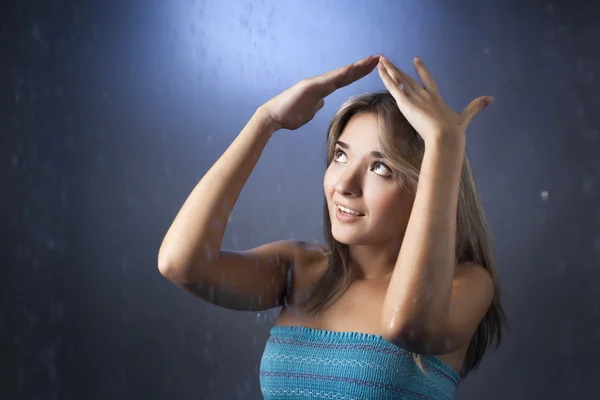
[472,295]
[252,280]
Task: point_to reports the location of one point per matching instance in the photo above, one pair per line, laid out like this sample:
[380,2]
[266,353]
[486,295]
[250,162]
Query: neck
[371,261]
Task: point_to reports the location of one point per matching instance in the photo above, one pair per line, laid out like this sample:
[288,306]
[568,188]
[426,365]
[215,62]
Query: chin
[346,235]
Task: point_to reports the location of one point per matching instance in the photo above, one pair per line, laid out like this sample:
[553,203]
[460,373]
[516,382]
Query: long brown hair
[404,149]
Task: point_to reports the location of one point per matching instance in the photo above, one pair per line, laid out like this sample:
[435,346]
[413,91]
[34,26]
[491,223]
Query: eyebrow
[375,154]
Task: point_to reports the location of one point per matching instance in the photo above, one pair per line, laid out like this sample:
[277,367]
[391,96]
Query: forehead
[360,132]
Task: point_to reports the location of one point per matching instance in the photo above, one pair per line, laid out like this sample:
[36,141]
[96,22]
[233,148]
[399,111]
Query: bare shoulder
[309,257]
[310,262]
[310,250]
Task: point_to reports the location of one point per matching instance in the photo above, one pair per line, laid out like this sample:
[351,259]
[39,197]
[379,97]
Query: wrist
[445,142]
[448,150]
[267,123]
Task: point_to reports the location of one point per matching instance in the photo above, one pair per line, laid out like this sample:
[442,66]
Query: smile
[349,211]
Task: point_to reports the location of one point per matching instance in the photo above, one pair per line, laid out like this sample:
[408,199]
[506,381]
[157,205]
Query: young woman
[403,299]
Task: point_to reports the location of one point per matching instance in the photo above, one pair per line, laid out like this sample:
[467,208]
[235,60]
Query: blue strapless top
[306,363]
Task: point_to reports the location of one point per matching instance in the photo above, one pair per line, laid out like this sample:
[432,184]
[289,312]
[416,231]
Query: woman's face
[361,180]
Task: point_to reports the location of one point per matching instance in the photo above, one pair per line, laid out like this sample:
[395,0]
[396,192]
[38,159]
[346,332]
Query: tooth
[347,210]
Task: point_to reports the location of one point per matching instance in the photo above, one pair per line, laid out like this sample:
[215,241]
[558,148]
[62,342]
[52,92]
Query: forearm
[420,287]
[196,234]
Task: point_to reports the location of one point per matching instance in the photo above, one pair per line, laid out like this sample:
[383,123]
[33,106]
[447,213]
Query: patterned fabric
[306,363]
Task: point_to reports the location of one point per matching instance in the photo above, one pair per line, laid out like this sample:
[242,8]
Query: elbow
[414,337]
[167,268]
[181,266]
[170,267]
[412,341]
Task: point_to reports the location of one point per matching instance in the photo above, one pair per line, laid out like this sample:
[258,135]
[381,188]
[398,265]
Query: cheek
[326,189]
[328,183]
[387,205]
[382,207]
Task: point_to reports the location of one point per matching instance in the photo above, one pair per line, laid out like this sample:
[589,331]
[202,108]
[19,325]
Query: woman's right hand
[298,105]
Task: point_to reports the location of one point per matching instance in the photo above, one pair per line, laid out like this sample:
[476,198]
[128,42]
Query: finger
[345,69]
[334,73]
[475,107]
[426,79]
[398,80]
[358,71]
[399,95]
[407,78]
[333,80]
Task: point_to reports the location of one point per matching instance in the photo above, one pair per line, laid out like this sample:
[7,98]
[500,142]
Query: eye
[381,169]
[337,154]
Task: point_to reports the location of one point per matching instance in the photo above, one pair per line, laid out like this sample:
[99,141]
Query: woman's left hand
[424,107]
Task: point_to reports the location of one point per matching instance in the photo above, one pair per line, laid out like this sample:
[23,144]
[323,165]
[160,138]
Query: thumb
[319,105]
[475,107]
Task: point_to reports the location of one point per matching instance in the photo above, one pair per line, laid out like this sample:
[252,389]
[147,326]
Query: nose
[349,183]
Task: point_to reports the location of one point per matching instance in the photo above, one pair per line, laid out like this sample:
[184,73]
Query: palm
[296,106]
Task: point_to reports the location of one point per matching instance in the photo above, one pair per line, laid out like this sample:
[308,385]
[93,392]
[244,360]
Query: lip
[337,203]
[345,218]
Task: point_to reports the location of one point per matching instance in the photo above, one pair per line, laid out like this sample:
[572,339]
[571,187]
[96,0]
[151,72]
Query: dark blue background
[111,111]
